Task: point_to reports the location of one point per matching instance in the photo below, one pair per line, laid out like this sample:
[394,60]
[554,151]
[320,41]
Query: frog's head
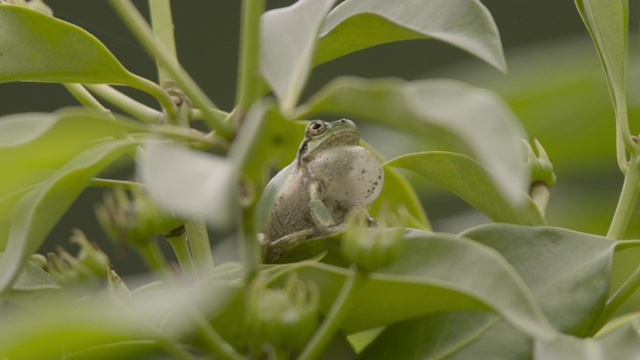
[321,135]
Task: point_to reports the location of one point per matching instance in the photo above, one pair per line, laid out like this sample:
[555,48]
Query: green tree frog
[330,177]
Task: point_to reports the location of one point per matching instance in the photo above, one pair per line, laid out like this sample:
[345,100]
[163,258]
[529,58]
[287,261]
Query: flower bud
[370,248]
[133,220]
[283,317]
[87,268]
[540,166]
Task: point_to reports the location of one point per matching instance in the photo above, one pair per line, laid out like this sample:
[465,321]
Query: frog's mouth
[345,138]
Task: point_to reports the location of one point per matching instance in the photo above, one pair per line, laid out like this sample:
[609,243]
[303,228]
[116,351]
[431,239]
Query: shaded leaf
[568,273]
[38,47]
[134,349]
[608,23]
[287,43]
[35,214]
[441,109]
[189,183]
[34,145]
[466,178]
[620,344]
[435,273]
[356,25]
[398,197]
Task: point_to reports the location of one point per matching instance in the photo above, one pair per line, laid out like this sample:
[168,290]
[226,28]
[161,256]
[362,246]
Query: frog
[330,177]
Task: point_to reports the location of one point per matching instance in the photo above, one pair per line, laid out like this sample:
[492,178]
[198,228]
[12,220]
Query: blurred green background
[555,85]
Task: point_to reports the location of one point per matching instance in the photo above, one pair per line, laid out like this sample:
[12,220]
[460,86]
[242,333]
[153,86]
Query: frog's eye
[316,128]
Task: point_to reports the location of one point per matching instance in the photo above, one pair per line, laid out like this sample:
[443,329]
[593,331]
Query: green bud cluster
[370,248]
[133,220]
[283,317]
[89,265]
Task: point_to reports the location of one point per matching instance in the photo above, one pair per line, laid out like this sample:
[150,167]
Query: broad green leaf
[621,344]
[568,273]
[608,23]
[441,109]
[466,178]
[287,42]
[74,326]
[38,47]
[435,273]
[34,145]
[133,349]
[35,214]
[356,25]
[189,183]
[398,197]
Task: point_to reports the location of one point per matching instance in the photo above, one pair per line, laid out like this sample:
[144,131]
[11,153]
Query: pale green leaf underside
[437,109]
[287,43]
[466,178]
[356,25]
[189,183]
[38,47]
[620,344]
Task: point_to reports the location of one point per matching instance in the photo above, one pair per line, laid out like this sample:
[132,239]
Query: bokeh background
[555,85]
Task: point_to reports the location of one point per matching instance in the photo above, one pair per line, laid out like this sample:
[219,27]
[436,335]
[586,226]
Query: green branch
[127,104]
[162,24]
[180,244]
[141,30]
[249,82]
[85,98]
[339,310]
[200,247]
[627,201]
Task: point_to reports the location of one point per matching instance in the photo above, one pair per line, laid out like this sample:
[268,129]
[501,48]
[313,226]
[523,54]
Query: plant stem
[108,183]
[615,302]
[152,256]
[173,349]
[162,24]
[157,92]
[212,339]
[338,312]
[85,98]
[180,244]
[248,89]
[127,104]
[196,114]
[141,30]
[540,195]
[200,247]
[627,201]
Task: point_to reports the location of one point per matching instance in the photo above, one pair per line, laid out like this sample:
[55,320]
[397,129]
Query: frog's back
[283,207]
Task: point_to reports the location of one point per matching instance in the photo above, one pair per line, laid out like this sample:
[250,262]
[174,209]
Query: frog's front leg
[285,243]
[319,212]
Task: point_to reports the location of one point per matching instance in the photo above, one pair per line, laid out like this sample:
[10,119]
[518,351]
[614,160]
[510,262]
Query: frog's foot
[286,243]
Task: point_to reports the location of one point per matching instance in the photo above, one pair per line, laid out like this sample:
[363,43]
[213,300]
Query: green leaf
[435,273]
[356,25]
[287,43]
[621,344]
[568,273]
[608,23]
[189,183]
[398,197]
[437,109]
[466,178]
[38,47]
[35,214]
[71,325]
[134,349]
[34,145]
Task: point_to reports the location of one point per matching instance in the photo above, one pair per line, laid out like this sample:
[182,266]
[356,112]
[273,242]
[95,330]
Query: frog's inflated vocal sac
[330,176]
